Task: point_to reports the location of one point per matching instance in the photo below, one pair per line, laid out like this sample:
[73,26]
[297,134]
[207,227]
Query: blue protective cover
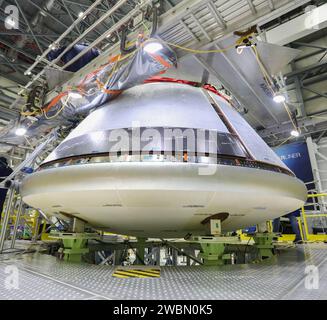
[69,55]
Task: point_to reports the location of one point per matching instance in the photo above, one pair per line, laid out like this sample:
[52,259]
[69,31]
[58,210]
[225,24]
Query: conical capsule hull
[159,161]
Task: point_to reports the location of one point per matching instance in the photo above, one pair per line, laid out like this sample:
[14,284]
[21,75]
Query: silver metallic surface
[155,139]
[163,105]
[154,105]
[163,197]
[44,277]
[251,139]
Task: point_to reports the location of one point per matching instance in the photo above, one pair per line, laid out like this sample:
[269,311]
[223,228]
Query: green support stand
[74,245]
[212,253]
[264,243]
[140,249]
[213,248]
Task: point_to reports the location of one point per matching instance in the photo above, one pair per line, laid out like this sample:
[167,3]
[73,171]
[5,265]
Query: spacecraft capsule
[159,161]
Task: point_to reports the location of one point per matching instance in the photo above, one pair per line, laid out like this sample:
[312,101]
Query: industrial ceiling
[192,23]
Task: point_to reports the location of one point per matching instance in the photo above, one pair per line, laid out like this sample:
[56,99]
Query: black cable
[37,93]
[123,48]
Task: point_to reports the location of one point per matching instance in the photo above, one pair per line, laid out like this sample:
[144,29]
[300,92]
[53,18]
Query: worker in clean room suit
[5,171]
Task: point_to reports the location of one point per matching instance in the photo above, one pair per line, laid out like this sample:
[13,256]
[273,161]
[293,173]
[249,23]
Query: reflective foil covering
[98,87]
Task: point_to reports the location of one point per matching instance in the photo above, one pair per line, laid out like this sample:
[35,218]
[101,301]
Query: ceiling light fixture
[279,98]
[295,133]
[152,47]
[20,131]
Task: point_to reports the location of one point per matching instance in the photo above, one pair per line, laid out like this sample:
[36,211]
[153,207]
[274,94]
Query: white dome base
[163,199]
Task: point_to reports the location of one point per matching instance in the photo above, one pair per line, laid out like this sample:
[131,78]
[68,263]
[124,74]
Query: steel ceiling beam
[13,78]
[30,29]
[46,13]
[286,136]
[111,30]
[173,16]
[306,69]
[311,54]
[23,52]
[8,89]
[315,79]
[52,63]
[216,14]
[18,33]
[321,94]
[320,136]
[70,15]
[298,92]
[182,10]
[43,37]
[13,66]
[189,30]
[83,5]
[8,114]
[310,45]
[205,33]
[252,7]
[313,97]
[287,127]
[271,4]
[24,27]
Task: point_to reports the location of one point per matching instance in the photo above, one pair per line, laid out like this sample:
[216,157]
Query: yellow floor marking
[136,273]
[130,275]
[146,273]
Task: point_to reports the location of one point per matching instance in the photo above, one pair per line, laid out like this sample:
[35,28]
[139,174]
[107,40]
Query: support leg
[74,247]
[140,250]
[6,218]
[212,253]
[264,244]
[19,212]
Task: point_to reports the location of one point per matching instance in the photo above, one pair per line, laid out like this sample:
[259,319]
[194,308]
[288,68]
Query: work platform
[44,277]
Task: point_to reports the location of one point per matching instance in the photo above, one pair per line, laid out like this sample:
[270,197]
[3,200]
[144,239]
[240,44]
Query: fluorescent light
[279,98]
[52,46]
[243,46]
[295,133]
[75,95]
[20,131]
[153,47]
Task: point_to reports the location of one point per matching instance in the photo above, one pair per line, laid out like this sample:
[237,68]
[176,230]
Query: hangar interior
[163,149]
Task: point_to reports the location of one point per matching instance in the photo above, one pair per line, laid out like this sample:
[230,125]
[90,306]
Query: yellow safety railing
[302,223]
[305,215]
